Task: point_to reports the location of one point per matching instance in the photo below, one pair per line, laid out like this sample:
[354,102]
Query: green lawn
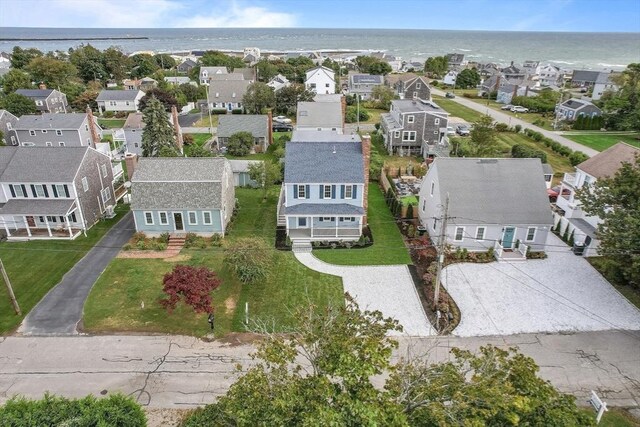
[200,138]
[601,141]
[204,121]
[111,123]
[457,110]
[115,303]
[615,417]
[34,267]
[559,163]
[388,247]
[374,115]
[610,273]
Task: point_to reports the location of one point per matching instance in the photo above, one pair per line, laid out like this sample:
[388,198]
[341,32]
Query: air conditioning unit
[110,212]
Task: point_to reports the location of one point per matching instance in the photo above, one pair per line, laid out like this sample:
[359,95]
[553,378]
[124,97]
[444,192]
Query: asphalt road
[182,372]
[501,117]
[59,312]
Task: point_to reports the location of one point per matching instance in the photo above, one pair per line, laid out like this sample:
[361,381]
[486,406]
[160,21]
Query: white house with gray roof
[47,100]
[324,193]
[320,116]
[119,100]
[207,72]
[180,195]
[498,204]
[53,193]
[573,108]
[363,84]
[256,124]
[54,130]
[320,80]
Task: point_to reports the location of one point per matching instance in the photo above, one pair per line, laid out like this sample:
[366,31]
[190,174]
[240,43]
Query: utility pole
[441,247]
[7,283]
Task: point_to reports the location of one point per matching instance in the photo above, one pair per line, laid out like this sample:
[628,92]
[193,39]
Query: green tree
[250,258]
[143,65]
[266,70]
[468,78]
[15,79]
[81,101]
[52,72]
[197,151]
[189,91]
[616,200]
[21,57]
[18,105]
[351,115]
[258,98]
[266,174]
[165,61]
[157,133]
[166,99]
[372,65]
[89,62]
[116,63]
[622,108]
[298,68]
[215,58]
[240,143]
[383,95]
[483,138]
[436,66]
[288,97]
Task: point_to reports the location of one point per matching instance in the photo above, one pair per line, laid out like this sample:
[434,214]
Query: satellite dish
[127,184]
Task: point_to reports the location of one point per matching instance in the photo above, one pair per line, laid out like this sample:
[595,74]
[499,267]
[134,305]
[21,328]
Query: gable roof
[214,70]
[319,114]
[35,93]
[134,120]
[584,76]
[366,79]
[238,166]
[224,90]
[42,164]
[179,169]
[188,62]
[323,70]
[118,95]
[323,162]
[51,121]
[9,115]
[576,104]
[607,163]
[256,124]
[247,73]
[228,76]
[492,191]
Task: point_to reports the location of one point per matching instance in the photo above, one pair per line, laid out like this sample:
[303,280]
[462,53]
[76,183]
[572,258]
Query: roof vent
[488,161]
[334,149]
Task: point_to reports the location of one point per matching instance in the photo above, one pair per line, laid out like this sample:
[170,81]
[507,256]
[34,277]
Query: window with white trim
[436,121]
[58,132]
[206,218]
[193,219]
[348,192]
[85,184]
[409,135]
[103,167]
[411,119]
[39,103]
[59,190]
[164,218]
[19,190]
[435,223]
[61,144]
[32,132]
[301,192]
[418,85]
[113,103]
[44,131]
[106,194]
[459,236]
[49,144]
[327,192]
[148,218]
[396,134]
[39,190]
[480,233]
[531,234]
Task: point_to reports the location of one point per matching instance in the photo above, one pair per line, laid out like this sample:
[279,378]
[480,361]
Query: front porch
[508,254]
[44,234]
[27,219]
[325,234]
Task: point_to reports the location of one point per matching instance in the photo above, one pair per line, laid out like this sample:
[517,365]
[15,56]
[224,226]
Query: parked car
[449,95]
[463,130]
[282,119]
[451,130]
[281,127]
[554,192]
[507,107]
[519,109]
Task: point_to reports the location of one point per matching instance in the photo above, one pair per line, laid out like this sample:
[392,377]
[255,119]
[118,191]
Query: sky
[493,15]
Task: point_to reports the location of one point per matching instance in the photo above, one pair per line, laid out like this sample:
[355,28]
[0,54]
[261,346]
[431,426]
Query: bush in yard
[192,284]
[519,151]
[577,157]
[501,127]
[240,143]
[518,128]
[410,212]
[351,115]
[187,139]
[250,258]
[114,410]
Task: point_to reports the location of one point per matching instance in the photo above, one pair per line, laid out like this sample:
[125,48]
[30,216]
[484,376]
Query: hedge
[575,157]
[520,151]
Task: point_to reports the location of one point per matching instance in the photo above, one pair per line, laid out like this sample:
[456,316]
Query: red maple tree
[193,285]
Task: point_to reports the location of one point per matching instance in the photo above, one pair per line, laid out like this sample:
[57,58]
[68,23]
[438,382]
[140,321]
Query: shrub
[191,284]
[187,139]
[351,115]
[138,236]
[216,240]
[164,237]
[141,245]
[157,245]
[237,111]
[217,111]
[577,157]
[518,128]
[240,143]
[519,151]
[250,258]
[411,230]
[410,212]
[108,114]
[127,247]
[501,127]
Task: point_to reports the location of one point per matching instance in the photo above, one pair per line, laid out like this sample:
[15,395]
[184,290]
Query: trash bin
[421,229]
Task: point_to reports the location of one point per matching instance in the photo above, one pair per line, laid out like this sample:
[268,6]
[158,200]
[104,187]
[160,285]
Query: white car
[282,119]
[519,109]
[451,130]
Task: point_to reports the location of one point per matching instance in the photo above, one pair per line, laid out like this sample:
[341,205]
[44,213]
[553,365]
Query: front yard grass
[559,163]
[600,263]
[204,121]
[457,110]
[36,266]
[199,139]
[388,247]
[115,303]
[601,141]
[614,417]
[111,123]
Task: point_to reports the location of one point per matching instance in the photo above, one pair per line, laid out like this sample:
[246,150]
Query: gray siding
[199,227]
[80,137]
[90,201]
[426,129]
[421,92]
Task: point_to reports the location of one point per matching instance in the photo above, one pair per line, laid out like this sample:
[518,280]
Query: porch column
[311,220]
[26,224]
[46,222]
[69,226]
[6,228]
[360,225]
[337,225]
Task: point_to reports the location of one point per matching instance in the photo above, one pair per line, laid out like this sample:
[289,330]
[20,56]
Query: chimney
[131,161]
[176,128]
[270,131]
[95,138]
[42,86]
[343,103]
[366,158]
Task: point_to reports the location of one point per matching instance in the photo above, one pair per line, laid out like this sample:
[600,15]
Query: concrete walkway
[387,288]
[59,312]
[501,117]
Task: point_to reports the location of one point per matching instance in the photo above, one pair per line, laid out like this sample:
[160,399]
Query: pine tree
[157,132]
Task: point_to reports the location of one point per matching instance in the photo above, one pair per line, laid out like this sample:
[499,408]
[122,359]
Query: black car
[281,127]
[449,95]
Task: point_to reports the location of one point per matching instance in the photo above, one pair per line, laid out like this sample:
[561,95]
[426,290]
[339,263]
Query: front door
[507,237]
[31,222]
[177,220]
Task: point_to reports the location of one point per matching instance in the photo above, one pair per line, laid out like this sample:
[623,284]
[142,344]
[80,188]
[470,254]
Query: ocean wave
[464,50]
[557,61]
[602,64]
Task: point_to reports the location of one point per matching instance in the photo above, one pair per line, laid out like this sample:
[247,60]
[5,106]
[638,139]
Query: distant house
[320,116]
[128,139]
[186,66]
[416,88]
[524,87]
[47,100]
[179,80]
[584,78]
[513,71]
[572,108]
[396,81]
[7,123]
[415,128]
[602,165]
[549,75]
[131,84]
[450,78]
[251,55]
[147,84]
[227,94]
[324,193]
[604,83]
[207,72]
[498,204]
[531,68]
[320,80]
[55,130]
[53,193]
[180,195]
[119,100]
[256,124]
[363,84]
[240,170]
[278,82]
[455,60]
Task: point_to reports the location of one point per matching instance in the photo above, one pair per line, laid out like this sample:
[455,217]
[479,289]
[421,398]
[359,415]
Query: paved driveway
[59,312]
[560,293]
[389,289]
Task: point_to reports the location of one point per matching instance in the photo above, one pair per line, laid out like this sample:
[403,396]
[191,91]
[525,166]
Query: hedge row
[520,151]
[575,157]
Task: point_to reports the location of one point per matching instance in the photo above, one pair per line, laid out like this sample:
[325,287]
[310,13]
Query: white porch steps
[301,247]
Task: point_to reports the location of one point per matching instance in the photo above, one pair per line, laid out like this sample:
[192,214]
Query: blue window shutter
[66,190]
[307,193]
[46,192]
[33,191]
[295,191]
[342,191]
[55,191]
[13,192]
[333,191]
[321,191]
[354,193]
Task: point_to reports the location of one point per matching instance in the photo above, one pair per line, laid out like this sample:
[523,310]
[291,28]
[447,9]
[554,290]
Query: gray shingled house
[53,193]
[573,108]
[415,88]
[227,93]
[363,84]
[119,100]
[54,130]
[498,204]
[320,116]
[7,122]
[180,195]
[186,66]
[256,124]
[240,170]
[47,100]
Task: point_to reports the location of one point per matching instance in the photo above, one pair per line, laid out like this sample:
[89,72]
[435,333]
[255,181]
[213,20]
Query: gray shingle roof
[493,191]
[575,103]
[409,106]
[238,166]
[370,79]
[224,90]
[37,207]
[117,95]
[35,93]
[6,153]
[179,169]
[319,114]
[214,70]
[43,164]
[256,124]
[71,121]
[584,76]
[324,209]
[316,162]
[322,136]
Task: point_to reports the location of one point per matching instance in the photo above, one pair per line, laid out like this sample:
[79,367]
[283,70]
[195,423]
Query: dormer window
[32,132]
[411,119]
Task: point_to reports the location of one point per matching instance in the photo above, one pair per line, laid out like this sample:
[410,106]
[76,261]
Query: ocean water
[568,50]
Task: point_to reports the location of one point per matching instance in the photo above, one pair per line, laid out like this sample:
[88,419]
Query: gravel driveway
[560,293]
[389,289]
